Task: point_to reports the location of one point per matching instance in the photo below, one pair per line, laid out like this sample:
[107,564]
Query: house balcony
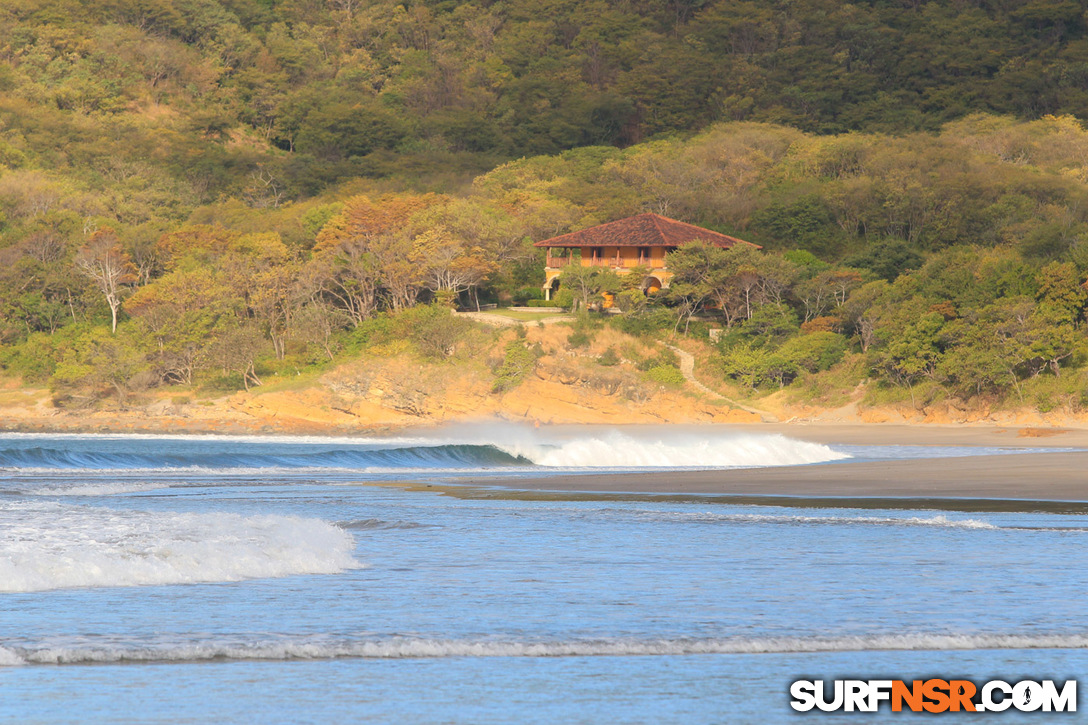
[613,262]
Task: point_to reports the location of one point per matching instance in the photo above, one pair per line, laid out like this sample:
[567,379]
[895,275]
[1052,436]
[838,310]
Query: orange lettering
[961,692]
[912,695]
[934,690]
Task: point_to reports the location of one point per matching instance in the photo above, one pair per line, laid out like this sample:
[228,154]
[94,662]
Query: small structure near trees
[635,244]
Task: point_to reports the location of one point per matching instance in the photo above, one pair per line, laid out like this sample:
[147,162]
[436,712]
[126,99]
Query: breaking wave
[309,648]
[618,450]
[95,488]
[341,458]
[509,447]
[48,545]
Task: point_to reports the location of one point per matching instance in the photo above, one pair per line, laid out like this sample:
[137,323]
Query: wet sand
[1045,476]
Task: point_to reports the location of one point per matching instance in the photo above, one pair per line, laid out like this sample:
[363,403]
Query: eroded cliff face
[335,408]
[559,384]
[400,392]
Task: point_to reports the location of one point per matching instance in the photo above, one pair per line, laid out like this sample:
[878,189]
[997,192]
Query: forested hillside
[195,195]
[177,102]
[951,263]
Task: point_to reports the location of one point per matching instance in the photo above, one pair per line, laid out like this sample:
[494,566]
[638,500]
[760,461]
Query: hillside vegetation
[934,265]
[198,197]
[148,108]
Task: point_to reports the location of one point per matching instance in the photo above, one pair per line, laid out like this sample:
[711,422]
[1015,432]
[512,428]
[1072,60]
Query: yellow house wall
[629,258]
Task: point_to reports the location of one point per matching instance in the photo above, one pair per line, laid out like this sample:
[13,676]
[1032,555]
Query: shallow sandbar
[1026,476]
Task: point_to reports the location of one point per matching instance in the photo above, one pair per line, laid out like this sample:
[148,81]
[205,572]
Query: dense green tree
[914,353]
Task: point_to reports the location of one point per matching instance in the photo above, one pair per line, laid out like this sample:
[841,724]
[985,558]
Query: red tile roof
[641,230]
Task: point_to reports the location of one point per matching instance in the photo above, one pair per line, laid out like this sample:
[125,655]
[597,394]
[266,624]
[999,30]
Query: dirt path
[687,369]
[501,321]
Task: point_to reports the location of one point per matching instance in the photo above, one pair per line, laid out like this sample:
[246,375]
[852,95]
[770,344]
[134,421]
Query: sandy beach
[1028,476]
[1034,476]
[883,434]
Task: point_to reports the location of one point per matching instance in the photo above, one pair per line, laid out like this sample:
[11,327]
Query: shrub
[666,375]
[524,295]
[608,358]
[664,358]
[35,359]
[392,348]
[518,362]
[434,329]
[374,331]
[101,364]
[645,322]
[585,328]
[579,338]
[815,352]
[754,366]
[630,300]
[834,387]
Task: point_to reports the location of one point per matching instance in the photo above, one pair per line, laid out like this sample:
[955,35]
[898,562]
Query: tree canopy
[176,175]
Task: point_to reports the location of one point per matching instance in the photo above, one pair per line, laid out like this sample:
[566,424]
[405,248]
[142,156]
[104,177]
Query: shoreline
[1056,477]
[1016,478]
[961,505]
[827,433]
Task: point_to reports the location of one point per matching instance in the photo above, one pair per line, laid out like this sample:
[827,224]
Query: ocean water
[254,580]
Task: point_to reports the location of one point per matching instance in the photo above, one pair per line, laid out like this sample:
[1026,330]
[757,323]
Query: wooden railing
[620,263]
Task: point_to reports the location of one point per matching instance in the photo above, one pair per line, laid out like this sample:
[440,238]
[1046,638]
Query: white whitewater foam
[10,658]
[614,449]
[96,488]
[404,647]
[939,521]
[946,522]
[48,545]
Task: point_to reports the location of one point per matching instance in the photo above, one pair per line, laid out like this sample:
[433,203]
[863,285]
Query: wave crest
[618,450]
[413,648]
[510,446]
[47,545]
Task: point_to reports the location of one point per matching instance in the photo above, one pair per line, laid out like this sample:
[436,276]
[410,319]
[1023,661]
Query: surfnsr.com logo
[934,695]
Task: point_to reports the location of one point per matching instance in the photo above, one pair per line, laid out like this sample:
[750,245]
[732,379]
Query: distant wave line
[419,648]
[42,458]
